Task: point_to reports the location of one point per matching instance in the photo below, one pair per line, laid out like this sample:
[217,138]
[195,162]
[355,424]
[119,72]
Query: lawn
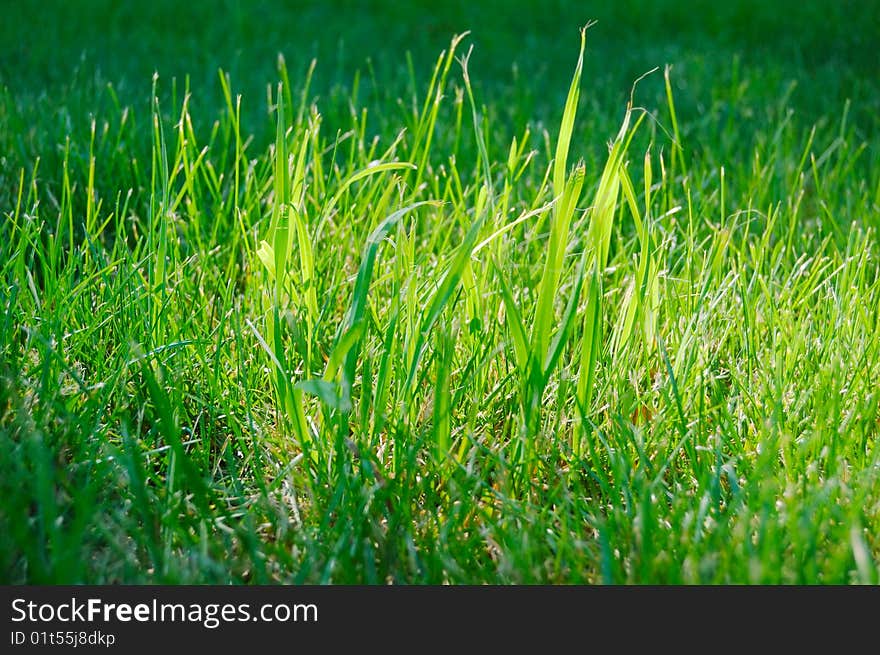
[356,292]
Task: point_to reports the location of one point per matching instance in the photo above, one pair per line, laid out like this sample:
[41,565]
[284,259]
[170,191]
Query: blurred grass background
[745,63]
[830,48]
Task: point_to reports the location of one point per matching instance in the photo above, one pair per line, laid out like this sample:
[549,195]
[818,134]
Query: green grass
[465,315]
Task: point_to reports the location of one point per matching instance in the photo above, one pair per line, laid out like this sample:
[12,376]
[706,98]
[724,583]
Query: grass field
[339,293]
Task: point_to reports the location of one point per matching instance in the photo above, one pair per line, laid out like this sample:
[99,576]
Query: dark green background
[831,48]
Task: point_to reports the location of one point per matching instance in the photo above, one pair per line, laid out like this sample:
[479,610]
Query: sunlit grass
[433,347]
